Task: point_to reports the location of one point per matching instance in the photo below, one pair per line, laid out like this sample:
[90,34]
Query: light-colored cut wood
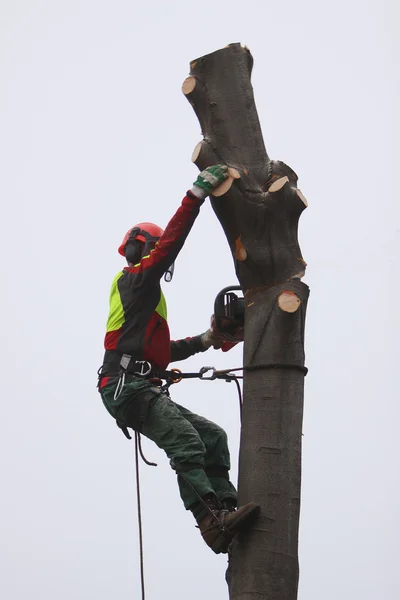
[302,197]
[278,184]
[188,85]
[288,301]
[226,185]
[240,250]
[196,151]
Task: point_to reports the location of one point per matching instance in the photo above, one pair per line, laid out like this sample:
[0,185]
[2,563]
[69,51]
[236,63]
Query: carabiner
[178,379]
[205,370]
[143,373]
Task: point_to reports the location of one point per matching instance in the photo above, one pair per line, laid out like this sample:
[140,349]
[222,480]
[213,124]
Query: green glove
[209,179]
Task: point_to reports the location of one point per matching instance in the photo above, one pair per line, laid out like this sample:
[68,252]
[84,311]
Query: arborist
[137,351]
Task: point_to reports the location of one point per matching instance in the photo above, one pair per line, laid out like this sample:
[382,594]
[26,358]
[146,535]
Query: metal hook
[144,373]
[205,370]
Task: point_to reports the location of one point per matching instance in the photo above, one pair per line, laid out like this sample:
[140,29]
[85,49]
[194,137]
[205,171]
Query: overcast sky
[95,136]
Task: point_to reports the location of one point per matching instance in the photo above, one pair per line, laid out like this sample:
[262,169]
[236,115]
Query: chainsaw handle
[219,305]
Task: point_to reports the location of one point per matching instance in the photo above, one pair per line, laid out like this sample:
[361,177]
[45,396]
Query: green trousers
[197,448]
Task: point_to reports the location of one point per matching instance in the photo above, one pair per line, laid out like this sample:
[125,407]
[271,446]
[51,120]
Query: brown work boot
[219,527]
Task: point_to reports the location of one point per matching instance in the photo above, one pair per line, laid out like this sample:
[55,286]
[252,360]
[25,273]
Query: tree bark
[259,215]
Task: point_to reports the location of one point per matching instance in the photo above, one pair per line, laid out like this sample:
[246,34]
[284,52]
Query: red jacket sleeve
[172,240]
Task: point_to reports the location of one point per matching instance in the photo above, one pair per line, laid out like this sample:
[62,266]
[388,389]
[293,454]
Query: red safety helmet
[145,231]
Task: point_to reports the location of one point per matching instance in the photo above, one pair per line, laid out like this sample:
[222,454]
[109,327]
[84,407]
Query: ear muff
[135,247]
[133,251]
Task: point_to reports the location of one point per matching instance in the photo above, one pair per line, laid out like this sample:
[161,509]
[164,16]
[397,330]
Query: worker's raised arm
[170,243]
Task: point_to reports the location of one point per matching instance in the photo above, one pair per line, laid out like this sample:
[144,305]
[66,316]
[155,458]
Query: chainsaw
[229,313]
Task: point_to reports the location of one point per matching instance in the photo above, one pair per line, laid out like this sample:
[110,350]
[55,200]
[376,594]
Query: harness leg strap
[124,430]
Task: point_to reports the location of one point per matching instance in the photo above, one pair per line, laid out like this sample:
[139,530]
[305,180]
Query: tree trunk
[259,215]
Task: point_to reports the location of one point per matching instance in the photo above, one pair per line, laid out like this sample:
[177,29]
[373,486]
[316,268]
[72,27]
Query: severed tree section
[259,208]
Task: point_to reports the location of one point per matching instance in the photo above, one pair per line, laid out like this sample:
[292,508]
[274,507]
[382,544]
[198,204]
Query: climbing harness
[144,369]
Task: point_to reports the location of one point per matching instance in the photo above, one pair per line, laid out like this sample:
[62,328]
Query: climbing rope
[176,376]
[137,445]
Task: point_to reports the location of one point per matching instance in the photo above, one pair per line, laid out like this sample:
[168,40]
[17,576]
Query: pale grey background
[95,136]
